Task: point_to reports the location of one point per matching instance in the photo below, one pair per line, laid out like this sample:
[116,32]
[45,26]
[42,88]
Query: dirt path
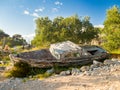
[107,81]
[103,82]
[1,77]
[102,78]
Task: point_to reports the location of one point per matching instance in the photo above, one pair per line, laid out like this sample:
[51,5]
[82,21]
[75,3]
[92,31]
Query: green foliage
[112,29]
[115,51]
[4,56]
[35,70]
[3,34]
[16,40]
[61,29]
[88,31]
[20,69]
[3,37]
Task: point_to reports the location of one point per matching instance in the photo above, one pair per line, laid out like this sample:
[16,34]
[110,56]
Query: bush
[20,69]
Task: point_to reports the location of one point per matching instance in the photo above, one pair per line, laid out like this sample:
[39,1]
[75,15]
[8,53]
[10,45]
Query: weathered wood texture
[43,59]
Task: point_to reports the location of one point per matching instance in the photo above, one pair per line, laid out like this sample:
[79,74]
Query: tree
[112,29]
[88,31]
[16,37]
[3,34]
[3,37]
[62,29]
[43,31]
[16,40]
[57,31]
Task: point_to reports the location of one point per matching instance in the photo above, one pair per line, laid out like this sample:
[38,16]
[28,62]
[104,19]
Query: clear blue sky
[17,16]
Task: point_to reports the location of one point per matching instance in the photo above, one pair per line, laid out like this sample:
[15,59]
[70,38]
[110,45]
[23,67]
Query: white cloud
[99,26]
[58,3]
[35,15]
[54,9]
[26,12]
[40,9]
[29,37]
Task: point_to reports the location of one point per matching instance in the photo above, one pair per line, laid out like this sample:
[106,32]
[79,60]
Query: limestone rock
[68,72]
[50,71]
[97,63]
[65,73]
[75,71]
[109,62]
[84,68]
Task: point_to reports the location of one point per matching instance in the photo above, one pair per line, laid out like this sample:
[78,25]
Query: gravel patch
[98,76]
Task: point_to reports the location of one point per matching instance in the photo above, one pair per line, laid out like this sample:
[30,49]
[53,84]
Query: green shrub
[35,70]
[42,76]
[58,69]
[20,69]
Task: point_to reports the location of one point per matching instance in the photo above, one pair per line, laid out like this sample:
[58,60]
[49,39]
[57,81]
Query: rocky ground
[98,76]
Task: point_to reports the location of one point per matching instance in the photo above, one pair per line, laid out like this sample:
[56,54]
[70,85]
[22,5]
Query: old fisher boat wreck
[63,54]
